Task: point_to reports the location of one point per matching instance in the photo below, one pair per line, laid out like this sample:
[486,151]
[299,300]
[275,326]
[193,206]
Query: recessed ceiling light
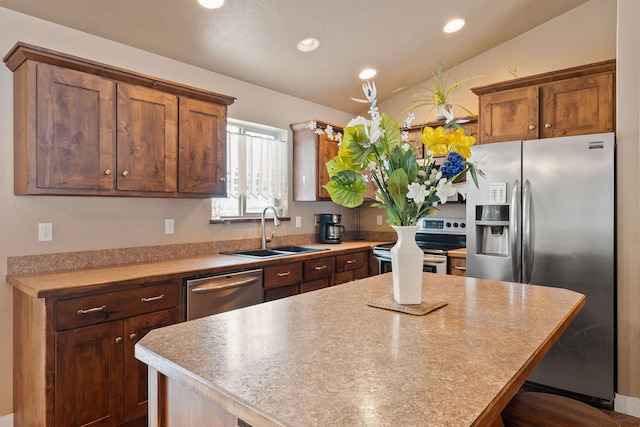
[367,73]
[454,25]
[308,44]
[211,4]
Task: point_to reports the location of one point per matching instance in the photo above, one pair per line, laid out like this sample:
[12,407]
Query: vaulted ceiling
[255,40]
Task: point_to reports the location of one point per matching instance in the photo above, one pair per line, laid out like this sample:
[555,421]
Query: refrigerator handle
[527,226]
[515,232]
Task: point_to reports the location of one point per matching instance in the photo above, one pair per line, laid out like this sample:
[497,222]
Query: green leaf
[346,188]
[406,160]
[398,183]
[352,149]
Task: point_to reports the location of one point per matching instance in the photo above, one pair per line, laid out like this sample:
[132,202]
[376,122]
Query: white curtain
[257,166]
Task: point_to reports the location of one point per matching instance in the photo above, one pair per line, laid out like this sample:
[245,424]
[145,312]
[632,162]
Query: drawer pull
[133,336]
[284,273]
[92,310]
[152,298]
[118,340]
[352,261]
[320,267]
[460,268]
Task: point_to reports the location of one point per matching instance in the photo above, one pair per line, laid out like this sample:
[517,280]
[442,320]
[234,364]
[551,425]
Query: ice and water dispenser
[492,229]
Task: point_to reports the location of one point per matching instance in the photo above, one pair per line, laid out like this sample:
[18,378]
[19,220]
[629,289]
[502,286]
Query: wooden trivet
[388,303]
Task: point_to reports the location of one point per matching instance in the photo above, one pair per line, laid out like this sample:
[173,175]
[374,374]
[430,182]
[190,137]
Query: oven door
[432,264]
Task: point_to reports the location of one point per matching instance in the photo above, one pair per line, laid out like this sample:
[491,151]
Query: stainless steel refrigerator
[544,214]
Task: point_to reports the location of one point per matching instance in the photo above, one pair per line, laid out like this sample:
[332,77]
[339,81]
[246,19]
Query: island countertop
[327,358]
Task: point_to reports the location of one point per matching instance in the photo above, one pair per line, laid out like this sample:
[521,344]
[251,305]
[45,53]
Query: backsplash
[46,263]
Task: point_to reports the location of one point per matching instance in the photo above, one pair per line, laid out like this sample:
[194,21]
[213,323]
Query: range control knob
[463,225]
[455,225]
[448,224]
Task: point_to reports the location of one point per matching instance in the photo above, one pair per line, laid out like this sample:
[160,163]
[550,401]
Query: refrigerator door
[493,220]
[571,224]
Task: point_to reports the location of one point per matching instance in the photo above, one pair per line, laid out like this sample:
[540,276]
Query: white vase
[406,266]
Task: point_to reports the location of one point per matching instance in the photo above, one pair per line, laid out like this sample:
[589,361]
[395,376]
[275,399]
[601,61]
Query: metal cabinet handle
[107,172]
[320,267]
[456,267]
[118,340]
[125,173]
[152,298]
[351,261]
[92,310]
[532,127]
[284,273]
[223,179]
[133,336]
[547,125]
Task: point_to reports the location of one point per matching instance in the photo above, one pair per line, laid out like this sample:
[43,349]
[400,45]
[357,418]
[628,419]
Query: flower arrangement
[407,187]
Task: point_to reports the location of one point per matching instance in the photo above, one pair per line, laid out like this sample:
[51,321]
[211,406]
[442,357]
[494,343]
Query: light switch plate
[379,219]
[298,222]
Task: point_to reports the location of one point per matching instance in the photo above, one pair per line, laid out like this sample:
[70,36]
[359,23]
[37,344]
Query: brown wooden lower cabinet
[74,356]
[457,266]
[294,278]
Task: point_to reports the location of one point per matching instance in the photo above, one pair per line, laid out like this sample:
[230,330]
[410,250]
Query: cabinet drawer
[321,267]
[282,275]
[457,266]
[94,309]
[351,261]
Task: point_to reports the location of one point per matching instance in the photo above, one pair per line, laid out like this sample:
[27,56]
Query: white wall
[88,223]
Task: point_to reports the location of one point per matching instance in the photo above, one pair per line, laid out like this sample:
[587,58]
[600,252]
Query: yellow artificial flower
[435,140]
[460,142]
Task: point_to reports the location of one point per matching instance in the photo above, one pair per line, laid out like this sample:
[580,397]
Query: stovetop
[437,235]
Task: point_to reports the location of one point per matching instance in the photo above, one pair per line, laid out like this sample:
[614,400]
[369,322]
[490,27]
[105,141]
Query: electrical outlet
[45,232]
[379,219]
[168,226]
[298,222]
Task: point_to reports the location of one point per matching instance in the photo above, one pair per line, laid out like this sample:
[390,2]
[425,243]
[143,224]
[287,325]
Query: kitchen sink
[298,249]
[275,252]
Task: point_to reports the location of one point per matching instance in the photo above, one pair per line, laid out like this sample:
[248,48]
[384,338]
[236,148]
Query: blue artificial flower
[453,165]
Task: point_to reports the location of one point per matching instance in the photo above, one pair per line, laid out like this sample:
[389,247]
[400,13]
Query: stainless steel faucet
[276,222]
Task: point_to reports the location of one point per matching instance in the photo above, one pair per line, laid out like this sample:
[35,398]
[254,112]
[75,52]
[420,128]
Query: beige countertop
[325,358]
[74,281]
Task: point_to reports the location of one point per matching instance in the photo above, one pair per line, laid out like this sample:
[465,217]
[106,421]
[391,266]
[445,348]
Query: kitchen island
[326,358]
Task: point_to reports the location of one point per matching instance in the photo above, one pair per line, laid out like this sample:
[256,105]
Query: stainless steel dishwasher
[207,295]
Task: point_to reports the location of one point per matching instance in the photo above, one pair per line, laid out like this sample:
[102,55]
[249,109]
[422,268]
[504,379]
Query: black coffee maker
[330,229]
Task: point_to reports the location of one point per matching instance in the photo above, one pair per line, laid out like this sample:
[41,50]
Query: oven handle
[218,285]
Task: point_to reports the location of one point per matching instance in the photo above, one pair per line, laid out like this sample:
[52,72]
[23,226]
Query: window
[257,171]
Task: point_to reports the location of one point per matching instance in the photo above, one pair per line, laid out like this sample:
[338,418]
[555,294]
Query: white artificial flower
[417,192]
[370,92]
[461,188]
[448,115]
[405,136]
[422,173]
[374,132]
[405,147]
[409,120]
[329,131]
[445,189]
[313,124]
[358,121]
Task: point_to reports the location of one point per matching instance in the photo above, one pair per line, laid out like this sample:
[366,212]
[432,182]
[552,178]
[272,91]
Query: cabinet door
[578,106]
[327,150]
[135,372]
[510,115]
[202,162]
[147,139]
[88,376]
[75,136]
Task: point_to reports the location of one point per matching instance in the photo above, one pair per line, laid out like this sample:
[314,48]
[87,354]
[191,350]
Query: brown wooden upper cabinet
[311,152]
[83,128]
[573,101]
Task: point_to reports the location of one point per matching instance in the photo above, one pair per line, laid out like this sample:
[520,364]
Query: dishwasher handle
[218,285]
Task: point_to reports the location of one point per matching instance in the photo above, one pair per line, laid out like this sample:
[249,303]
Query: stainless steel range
[435,237]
